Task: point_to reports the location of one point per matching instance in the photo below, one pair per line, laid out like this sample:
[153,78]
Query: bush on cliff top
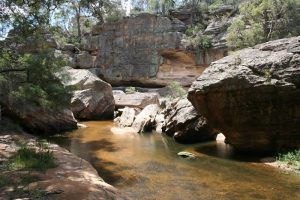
[264,20]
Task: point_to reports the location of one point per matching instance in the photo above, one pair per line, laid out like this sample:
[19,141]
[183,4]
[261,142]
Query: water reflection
[147,167]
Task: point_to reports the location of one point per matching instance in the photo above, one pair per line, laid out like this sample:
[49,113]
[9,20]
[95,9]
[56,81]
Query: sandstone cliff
[142,50]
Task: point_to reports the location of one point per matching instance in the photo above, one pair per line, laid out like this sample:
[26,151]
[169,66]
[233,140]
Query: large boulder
[92,98]
[135,100]
[145,120]
[184,123]
[253,96]
[43,121]
[35,118]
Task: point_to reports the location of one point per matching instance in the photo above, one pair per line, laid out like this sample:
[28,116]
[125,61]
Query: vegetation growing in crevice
[176,90]
[27,158]
[130,90]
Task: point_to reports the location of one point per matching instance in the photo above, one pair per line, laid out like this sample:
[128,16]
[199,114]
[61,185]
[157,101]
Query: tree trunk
[78,24]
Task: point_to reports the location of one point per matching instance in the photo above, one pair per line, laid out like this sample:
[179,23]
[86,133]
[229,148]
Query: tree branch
[12,70]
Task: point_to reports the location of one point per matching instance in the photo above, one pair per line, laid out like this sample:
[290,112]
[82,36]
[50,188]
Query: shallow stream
[147,167]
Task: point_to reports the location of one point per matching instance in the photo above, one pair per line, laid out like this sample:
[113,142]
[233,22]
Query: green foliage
[40,87]
[200,42]
[193,30]
[239,36]
[267,74]
[176,90]
[153,6]
[130,90]
[216,4]
[291,158]
[264,20]
[204,42]
[114,16]
[27,158]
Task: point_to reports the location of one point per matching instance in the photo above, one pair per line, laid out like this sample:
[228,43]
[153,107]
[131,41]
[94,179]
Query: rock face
[144,50]
[93,98]
[253,96]
[135,100]
[145,120]
[184,123]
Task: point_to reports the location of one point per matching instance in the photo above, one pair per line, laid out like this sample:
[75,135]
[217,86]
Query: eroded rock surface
[184,123]
[253,96]
[92,98]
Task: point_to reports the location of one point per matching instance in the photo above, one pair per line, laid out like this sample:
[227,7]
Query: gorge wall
[143,50]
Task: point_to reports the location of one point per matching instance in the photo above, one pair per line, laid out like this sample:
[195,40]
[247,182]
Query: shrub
[291,158]
[193,30]
[130,90]
[264,20]
[176,89]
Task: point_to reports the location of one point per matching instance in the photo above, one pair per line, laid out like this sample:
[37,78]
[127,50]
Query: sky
[126,4]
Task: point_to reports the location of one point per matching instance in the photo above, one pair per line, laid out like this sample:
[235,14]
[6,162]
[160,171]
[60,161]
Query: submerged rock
[253,96]
[184,123]
[186,154]
[93,98]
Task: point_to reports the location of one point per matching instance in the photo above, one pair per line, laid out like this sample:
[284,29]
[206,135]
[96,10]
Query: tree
[264,20]
[74,17]
[154,6]
[27,64]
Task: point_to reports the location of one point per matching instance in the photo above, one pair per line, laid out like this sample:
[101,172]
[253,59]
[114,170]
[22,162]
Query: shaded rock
[40,120]
[92,98]
[145,120]
[184,123]
[71,48]
[135,100]
[186,15]
[253,96]
[84,60]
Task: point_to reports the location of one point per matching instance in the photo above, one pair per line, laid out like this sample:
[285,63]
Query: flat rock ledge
[74,178]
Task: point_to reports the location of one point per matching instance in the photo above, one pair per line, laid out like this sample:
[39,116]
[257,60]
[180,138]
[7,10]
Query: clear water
[147,167]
